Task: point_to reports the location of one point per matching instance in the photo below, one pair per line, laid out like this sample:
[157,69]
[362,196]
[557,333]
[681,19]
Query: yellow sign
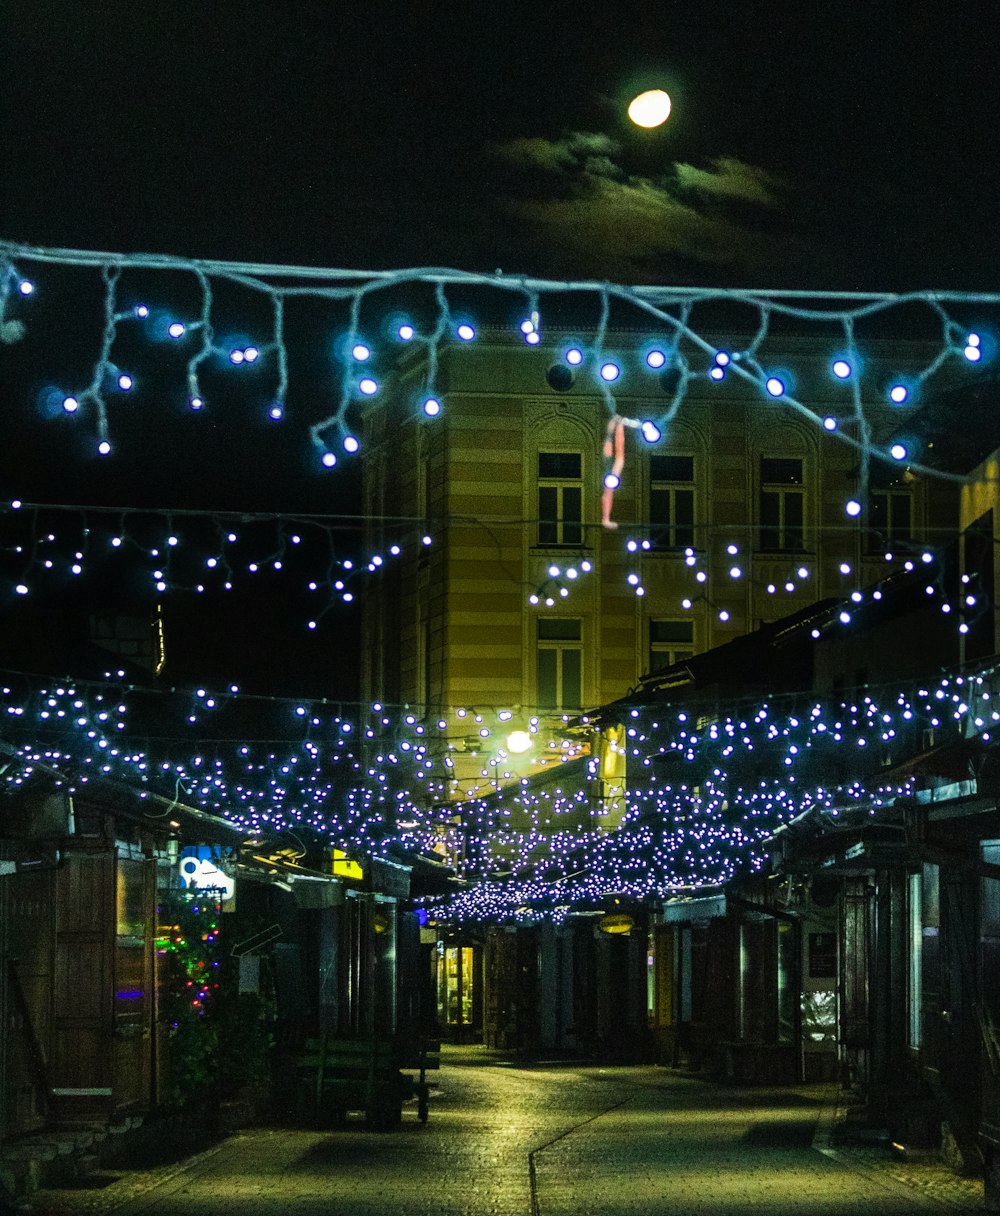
[616,922]
[344,867]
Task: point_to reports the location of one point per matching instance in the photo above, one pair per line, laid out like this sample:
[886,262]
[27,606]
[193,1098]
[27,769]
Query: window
[782,504]
[560,498]
[669,642]
[559,664]
[890,511]
[671,502]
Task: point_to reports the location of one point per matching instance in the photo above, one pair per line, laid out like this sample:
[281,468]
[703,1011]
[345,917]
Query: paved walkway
[508,1139]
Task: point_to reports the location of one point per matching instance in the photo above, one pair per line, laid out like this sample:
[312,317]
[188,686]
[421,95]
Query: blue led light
[176,329]
[432,407]
[276,411]
[650,431]
[612,481]
[829,424]
[368,386]
[125,382]
[104,448]
[25,287]
[897,451]
[655,359]
[574,356]
[466,332]
[70,405]
[898,394]
[329,459]
[405,332]
[841,369]
[351,444]
[610,372]
[775,386]
[360,352]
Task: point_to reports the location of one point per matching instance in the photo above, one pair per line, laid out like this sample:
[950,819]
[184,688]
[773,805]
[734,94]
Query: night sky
[841,145]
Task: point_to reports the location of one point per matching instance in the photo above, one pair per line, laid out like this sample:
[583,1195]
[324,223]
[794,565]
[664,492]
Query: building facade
[515,594]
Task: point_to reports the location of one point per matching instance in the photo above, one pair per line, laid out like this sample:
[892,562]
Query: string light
[41,541]
[675,835]
[672,833]
[668,309]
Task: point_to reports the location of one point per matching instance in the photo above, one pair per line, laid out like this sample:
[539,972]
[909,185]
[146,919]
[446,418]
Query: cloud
[576,151]
[732,178]
[594,218]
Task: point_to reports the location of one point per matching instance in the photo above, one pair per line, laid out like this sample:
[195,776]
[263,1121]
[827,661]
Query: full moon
[650,109]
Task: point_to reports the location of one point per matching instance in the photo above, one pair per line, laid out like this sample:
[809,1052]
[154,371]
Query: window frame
[672,488]
[891,535]
[560,647]
[673,651]
[783,493]
[568,533]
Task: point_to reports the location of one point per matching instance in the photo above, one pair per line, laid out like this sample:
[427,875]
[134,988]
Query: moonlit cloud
[594,217]
[732,178]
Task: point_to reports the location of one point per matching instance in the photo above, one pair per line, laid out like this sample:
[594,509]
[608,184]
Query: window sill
[582,549]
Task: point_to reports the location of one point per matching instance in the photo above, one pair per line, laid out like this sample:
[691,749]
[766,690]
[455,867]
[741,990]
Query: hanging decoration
[129,286]
[702,796]
[375,313]
[195,551]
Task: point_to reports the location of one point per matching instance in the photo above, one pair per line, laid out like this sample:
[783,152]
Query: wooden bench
[367,1074]
[422,1056]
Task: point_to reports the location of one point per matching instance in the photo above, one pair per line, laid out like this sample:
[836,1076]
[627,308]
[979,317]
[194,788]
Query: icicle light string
[380,782]
[355,288]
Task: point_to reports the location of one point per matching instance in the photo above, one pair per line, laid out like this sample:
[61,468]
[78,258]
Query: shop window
[455,973]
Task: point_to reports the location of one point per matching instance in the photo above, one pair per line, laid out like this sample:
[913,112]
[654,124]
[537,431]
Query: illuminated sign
[199,870]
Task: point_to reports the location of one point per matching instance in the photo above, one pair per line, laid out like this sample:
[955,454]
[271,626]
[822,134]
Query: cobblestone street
[511,1139]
